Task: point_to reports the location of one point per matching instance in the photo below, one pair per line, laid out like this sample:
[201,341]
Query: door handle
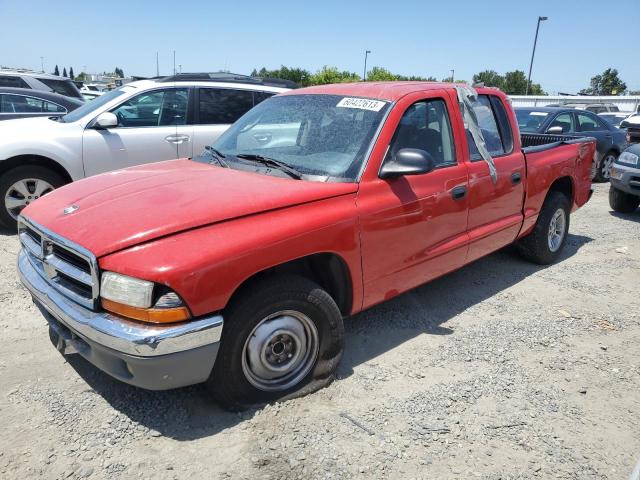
[516,177]
[459,192]
[177,139]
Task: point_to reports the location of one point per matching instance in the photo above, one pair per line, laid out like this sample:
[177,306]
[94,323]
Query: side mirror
[625,124]
[105,120]
[407,161]
[555,130]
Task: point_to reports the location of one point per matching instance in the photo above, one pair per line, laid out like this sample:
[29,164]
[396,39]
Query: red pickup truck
[236,268]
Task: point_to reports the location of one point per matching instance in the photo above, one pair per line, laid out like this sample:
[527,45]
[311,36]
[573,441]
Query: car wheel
[23,185]
[544,244]
[622,202]
[603,170]
[282,338]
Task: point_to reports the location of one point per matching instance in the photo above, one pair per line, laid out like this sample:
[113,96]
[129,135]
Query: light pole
[366,53]
[533,53]
[452,75]
[42,64]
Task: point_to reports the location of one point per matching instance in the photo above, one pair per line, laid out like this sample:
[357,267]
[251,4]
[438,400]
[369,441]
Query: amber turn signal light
[149,315]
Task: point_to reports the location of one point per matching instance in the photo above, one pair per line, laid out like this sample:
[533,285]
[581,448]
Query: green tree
[297,75]
[56,71]
[71,73]
[81,77]
[490,78]
[332,75]
[417,78]
[64,72]
[379,74]
[515,83]
[607,83]
[118,72]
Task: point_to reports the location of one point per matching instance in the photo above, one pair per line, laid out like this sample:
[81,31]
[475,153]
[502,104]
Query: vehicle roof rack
[227,77]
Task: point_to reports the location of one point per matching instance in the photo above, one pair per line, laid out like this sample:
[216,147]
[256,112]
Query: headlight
[134,298]
[628,158]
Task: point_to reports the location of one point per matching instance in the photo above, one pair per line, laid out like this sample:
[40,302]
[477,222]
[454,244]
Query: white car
[140,122]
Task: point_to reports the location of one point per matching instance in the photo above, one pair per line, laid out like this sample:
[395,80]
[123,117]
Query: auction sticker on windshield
[362,103]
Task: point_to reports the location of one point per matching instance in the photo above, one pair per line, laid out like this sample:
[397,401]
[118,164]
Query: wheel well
[326,269]
[563,185]
[39,160]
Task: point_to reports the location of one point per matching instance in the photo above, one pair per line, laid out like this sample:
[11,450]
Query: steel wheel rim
[557,230]
[23,192]
[607,163]
[280,351]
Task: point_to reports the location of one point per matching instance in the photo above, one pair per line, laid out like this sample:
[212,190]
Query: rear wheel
[622,202]
[544,244]
[281,338]
[603,171]
[21,186]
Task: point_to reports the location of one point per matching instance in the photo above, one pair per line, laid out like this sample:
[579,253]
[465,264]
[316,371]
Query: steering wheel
[121,118]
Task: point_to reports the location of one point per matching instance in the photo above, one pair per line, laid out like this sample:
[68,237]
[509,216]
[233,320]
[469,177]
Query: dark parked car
[569,121]
[632,126]
[615,118]
[39,81]
[624,192]
[26,103]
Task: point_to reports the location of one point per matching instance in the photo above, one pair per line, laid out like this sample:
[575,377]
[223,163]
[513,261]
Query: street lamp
[366,53]
[540,19]
[42,64]
[452,75]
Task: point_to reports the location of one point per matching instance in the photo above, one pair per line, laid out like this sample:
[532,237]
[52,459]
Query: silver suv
[39,81]
[140,122]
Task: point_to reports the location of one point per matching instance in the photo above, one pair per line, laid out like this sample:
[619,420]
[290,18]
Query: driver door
[151,128]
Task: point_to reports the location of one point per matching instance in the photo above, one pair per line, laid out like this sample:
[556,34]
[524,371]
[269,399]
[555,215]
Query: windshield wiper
[292,172]
[217,155]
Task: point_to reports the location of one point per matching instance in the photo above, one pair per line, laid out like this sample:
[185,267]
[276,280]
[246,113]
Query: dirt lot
[500,370]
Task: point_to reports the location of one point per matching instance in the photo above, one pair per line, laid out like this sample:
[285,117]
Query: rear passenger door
[216,109]
[590,125]
[495,209]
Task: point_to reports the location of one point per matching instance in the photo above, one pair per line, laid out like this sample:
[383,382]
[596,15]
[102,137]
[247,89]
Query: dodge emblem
[70,209]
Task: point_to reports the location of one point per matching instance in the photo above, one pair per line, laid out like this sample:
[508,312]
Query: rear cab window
[63,87]
[495,127]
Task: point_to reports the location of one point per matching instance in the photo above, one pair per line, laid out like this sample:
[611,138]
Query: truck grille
[69,268]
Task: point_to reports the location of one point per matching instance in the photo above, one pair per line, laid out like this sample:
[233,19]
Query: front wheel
[544,244]
[622,202]
[23,185]
[283,337]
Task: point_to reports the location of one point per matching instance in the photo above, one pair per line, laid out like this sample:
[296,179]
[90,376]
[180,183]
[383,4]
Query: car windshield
[89,107]
[323,137]
[530,120]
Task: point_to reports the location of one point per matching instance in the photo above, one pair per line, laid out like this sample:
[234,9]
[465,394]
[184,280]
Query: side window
[489,128]
[426,126]
[22,104]
[588,123]
[503,123]
[223,105]
[564,121]
[10,81]
[156,108]
[261,97]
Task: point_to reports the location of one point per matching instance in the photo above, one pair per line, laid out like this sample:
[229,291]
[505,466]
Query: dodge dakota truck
[236,268]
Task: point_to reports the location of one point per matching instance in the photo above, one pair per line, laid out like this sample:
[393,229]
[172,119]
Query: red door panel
[412,230]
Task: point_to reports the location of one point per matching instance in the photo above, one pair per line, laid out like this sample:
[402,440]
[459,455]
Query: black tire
[535,246]
[21,173]
[607,159]
[622,202]
[229,384]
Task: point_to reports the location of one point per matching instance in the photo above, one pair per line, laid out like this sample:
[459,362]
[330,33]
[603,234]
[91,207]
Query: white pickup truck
[143,121]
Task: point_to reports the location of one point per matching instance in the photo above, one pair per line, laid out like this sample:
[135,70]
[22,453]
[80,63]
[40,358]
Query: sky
[409,37]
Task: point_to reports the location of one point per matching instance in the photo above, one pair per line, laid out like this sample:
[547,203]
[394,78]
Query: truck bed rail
[536,142]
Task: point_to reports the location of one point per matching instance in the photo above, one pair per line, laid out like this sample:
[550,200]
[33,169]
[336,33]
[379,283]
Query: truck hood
[126,207]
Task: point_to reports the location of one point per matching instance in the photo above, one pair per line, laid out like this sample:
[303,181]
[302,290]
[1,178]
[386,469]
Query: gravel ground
[501,370]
